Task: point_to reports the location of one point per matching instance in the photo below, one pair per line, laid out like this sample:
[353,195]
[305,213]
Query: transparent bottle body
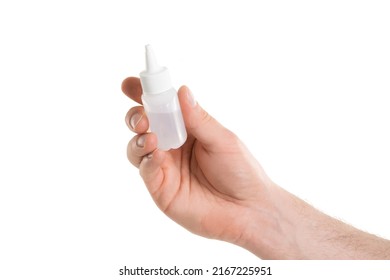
[165,119]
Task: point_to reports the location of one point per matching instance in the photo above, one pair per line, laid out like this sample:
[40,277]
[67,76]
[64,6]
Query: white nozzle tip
[151,61]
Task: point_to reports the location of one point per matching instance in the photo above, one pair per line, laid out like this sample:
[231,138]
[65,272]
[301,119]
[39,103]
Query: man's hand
[211,185]
[215,188]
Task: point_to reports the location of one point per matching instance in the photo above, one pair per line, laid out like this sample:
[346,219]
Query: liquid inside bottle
[169,128]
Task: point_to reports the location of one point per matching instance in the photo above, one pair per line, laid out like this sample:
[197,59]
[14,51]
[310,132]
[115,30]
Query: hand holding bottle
[211,185]
[214,187]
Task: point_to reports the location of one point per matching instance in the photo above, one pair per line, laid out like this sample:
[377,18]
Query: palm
[194,192]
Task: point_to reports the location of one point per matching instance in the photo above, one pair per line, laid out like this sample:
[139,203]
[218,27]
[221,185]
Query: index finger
[131,86]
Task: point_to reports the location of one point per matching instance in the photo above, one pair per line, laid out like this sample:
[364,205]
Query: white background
[305,84]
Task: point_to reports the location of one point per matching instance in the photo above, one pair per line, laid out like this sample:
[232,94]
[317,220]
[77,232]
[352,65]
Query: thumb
[199,123]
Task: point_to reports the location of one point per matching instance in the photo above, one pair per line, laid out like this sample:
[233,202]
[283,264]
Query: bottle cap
[155,79]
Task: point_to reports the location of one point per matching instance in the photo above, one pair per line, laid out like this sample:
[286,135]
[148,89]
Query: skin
[215,188]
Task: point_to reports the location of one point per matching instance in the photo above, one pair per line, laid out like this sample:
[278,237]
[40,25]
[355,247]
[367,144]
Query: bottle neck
[156,82]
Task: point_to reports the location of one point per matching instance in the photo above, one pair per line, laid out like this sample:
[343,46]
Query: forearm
[292,229]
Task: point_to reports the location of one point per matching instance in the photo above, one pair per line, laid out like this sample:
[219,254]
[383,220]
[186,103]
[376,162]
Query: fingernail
[135,119]
[141,141]
[191,98]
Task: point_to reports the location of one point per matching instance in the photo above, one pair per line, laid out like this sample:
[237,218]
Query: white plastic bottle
[162,104]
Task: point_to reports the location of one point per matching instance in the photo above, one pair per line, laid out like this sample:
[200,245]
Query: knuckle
[203,119]
[232,140]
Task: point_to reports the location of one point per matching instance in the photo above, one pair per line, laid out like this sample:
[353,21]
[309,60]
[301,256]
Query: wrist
[271,232]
